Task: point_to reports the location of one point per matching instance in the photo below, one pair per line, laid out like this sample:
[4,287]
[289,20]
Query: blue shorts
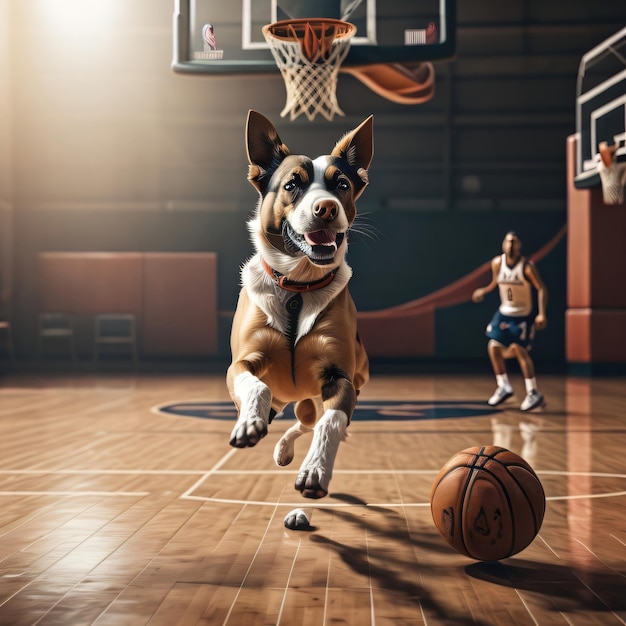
[507,330]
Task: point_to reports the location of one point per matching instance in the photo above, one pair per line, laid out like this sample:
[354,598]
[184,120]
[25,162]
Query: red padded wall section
[596,315]
[595,335]
[90,283]
[172,295]
[180,304]
[412,335]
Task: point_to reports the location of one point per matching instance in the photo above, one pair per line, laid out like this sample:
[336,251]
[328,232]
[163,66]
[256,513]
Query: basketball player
[512,327]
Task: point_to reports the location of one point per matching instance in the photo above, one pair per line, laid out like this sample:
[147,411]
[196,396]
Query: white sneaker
[533,400]
[500,395]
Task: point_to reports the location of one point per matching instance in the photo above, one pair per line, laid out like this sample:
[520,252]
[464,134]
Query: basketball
[487,503]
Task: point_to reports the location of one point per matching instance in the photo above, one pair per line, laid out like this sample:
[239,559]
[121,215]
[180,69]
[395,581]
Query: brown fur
[265,352]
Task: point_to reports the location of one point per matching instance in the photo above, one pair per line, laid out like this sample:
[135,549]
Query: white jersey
[516,297]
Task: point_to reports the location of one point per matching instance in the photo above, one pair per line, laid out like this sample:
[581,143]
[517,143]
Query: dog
[294,335]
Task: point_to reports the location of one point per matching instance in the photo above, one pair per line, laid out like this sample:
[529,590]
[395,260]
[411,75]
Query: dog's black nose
[326,210]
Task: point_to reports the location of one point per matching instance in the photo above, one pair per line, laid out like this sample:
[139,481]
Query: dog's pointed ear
[357,146]
[265,149]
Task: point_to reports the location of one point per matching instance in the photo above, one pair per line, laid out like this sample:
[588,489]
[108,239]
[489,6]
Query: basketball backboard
[225,37]
[600,107]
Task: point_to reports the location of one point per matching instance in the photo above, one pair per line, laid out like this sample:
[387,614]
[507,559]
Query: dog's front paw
[248,433]
[255,411]
[317,468]
[312,483]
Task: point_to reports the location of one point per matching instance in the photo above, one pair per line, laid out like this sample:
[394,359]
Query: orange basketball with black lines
[487,503]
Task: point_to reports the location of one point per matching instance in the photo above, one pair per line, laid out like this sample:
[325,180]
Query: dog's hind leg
[285,448]
[255,405]
[339,396]
[307,412]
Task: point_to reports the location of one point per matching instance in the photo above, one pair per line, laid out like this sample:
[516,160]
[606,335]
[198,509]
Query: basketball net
[309,53]
[612,174]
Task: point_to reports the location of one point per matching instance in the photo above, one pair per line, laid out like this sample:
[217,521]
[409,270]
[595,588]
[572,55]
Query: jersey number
[509,294]
[524,327]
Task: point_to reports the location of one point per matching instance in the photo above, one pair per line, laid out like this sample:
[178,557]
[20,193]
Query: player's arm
[479,293]
[532,274]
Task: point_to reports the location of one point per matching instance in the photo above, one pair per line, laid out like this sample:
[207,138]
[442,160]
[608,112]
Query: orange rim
[295,30]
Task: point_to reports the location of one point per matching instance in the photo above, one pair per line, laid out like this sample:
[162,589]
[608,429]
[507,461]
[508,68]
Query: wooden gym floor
[113,513]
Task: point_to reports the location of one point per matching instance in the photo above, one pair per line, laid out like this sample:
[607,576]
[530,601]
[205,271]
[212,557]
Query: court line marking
[104,472]
[262,543]
[204,475]
[125,494]
[326,505]
[260,472]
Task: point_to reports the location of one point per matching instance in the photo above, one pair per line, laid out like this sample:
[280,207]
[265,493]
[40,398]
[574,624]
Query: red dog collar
[292,285]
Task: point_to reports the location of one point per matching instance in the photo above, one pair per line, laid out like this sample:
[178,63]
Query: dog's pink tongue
[324,237]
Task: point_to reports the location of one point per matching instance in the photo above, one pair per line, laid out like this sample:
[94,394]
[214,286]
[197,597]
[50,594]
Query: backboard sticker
[210,50]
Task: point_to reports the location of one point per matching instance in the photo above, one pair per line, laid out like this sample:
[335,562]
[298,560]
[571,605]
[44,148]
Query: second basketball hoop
[309,53]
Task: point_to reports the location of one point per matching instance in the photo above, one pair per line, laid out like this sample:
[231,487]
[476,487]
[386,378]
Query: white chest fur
[271,298]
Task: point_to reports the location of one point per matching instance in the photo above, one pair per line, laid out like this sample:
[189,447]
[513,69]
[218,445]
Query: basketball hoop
[309,53]
[612,174]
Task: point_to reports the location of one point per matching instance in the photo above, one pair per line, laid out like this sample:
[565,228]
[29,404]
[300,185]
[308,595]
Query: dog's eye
[342,185]
[290,186]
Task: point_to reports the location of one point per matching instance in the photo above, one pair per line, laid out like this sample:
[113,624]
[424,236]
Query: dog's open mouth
[319,246]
